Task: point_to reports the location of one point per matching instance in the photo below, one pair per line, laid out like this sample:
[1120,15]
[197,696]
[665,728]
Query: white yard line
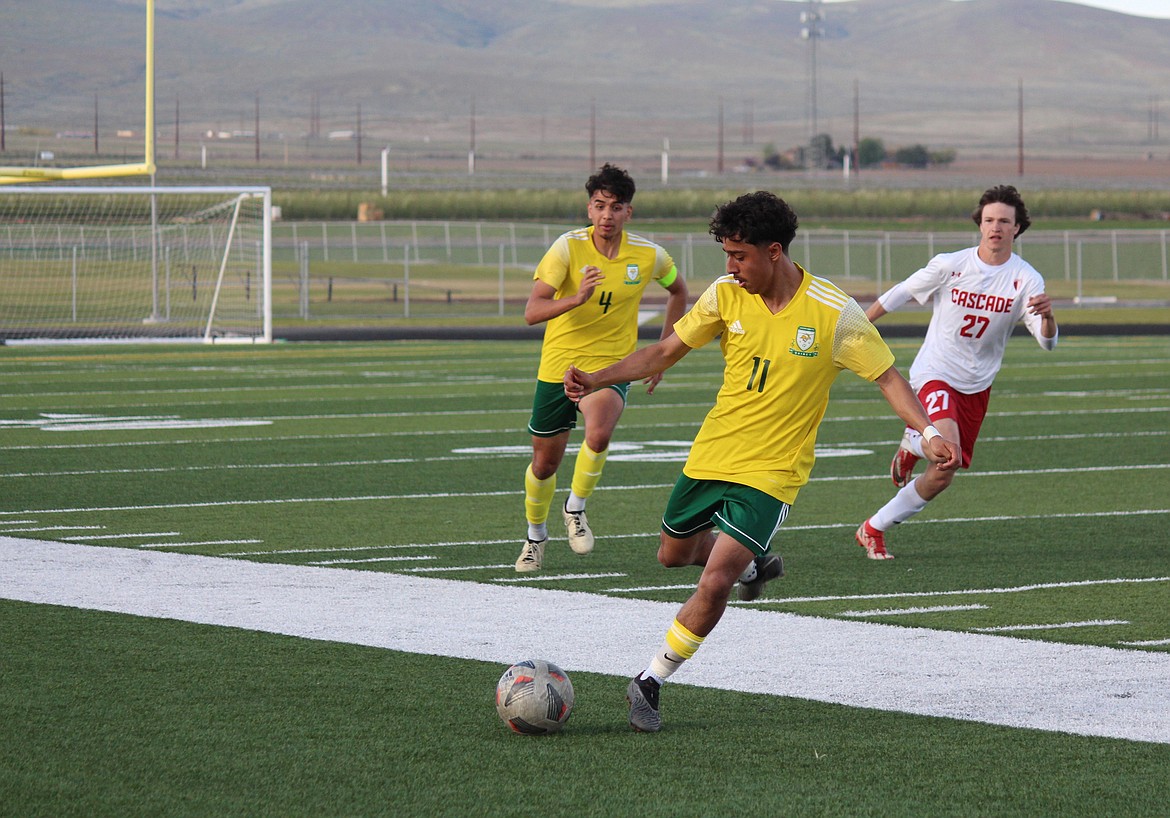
[1077,689]
[511,492]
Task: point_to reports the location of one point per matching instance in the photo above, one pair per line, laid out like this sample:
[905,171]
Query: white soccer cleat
[580,535]
[531,556]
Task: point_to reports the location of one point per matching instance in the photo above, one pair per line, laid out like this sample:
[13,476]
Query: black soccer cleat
[767,569]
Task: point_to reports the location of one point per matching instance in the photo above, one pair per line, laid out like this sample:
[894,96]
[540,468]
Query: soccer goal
[126,263]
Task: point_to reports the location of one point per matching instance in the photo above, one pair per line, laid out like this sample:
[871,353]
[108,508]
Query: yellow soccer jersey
[605,330]
[776,378]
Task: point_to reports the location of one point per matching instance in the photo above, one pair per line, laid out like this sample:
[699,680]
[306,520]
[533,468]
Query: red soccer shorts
[941,400]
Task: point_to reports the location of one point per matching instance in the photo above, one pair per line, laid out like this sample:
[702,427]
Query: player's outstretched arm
[939,450]
[643,363]
[875,311]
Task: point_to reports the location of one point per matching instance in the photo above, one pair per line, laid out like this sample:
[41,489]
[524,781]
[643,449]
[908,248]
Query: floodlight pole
[811,30]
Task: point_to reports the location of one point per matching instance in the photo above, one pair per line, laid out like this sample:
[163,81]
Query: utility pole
[856,126]
[1020,131]
[719,159]
[471,142]
[592,133]
[256,128]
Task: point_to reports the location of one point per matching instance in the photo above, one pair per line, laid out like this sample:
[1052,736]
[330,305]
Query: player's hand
[1040,305]
[652,382]
[943,453]
[590,277]
[577,383]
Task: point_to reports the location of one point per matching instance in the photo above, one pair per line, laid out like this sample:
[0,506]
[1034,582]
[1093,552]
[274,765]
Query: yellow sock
[587,471]
[679,646]
[538,495]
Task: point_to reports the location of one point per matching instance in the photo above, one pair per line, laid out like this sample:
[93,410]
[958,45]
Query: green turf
[111,715]
[366,447]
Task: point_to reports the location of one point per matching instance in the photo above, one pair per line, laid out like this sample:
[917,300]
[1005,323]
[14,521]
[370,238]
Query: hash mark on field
[643,588]
[970,591]
[558,577]
[930,609]
[372,559]
[342,548]
[427,569]
[203,542]
[55,528]
[1149,643]
[1092,623]
[89,537]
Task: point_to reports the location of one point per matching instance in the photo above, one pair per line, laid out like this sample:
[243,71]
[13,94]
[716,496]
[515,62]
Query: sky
[1140,8]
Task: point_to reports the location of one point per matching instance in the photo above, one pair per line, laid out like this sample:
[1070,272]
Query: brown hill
[937,72]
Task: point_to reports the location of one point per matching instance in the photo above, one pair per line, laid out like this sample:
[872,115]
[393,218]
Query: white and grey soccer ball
[534,697]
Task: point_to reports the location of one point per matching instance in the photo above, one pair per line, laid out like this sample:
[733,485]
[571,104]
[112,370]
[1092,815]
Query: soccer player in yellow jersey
[588,287]
[785,336]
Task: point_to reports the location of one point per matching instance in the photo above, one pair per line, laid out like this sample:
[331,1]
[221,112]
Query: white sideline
[1091,691]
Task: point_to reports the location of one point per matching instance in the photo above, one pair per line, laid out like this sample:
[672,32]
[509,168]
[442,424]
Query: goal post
[136,263]
[20,175]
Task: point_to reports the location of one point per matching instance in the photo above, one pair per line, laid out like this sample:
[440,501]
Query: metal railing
[495,260]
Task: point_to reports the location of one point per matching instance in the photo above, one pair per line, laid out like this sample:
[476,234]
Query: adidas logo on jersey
[735,328]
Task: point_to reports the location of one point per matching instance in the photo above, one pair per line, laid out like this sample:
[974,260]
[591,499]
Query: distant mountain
[933,71]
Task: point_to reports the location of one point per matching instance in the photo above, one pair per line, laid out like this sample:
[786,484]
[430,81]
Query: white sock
[904,505]
[574,503]
[537,531]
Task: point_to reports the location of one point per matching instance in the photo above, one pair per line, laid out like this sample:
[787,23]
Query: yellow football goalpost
[16,175]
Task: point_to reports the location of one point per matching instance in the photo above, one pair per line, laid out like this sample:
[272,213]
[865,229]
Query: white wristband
[930,433]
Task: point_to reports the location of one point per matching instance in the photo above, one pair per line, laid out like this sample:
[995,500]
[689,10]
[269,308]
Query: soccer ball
[534,697]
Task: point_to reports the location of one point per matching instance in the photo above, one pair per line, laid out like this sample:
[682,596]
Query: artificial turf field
[407,458]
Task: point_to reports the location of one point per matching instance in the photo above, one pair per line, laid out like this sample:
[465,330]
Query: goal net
[136,263]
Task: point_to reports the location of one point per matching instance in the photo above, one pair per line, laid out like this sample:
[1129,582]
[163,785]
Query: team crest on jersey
[633,274]
[805,344]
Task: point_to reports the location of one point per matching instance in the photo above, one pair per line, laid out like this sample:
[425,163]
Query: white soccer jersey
[976,305]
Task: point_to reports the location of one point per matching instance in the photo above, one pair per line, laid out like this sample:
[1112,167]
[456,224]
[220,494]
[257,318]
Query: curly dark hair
[758,218]
[1008,195]
[612,180]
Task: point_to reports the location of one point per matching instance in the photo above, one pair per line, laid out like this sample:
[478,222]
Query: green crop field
[356,464]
